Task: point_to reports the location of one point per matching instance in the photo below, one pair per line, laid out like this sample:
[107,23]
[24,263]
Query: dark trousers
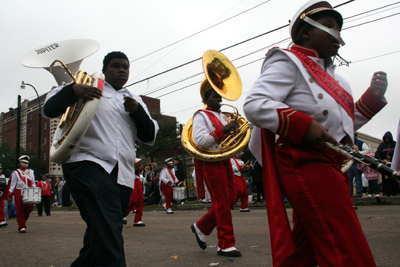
[354,172]
[46,203]
[260,190]
[102,204]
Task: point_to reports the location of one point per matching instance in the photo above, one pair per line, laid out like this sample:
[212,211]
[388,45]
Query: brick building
[29,130]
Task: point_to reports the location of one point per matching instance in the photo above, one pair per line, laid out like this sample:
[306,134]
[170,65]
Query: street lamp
[40,126]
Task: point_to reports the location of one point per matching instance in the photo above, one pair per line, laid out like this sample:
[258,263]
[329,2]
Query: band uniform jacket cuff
[217,134]
[292,125]
[369,104]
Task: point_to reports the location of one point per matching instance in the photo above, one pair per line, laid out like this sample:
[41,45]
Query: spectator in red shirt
[46,196]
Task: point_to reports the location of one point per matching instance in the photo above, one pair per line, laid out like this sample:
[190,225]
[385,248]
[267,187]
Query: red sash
[172,175]
[24,178]
[328,83]
[282,242]
[214,119]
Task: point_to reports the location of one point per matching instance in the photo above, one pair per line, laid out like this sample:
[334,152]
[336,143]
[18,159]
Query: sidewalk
[362,201]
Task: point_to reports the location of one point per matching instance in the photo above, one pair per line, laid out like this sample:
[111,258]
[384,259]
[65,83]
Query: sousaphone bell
[223,77]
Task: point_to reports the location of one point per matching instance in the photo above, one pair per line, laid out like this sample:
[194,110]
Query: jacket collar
[305,50]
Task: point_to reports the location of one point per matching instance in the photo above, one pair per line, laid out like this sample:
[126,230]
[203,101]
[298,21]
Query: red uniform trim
[368,105]
[218,133]
[172,175]
[292,124]
[328,83]
[305,50]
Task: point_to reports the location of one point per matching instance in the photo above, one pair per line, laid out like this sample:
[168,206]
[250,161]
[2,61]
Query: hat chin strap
[332,32]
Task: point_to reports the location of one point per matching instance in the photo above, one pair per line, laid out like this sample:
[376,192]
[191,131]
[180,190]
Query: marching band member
[99,170]
[136,201]
[242,192]
[299,97]
[167,181]
[46,196]
[20,179]
[209,126]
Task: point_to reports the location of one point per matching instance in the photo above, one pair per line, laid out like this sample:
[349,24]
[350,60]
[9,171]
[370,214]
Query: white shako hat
[24,159]
[310,8]
[169,160]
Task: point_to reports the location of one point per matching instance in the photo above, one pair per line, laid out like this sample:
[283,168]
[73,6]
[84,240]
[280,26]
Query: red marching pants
[218,177]
[23,210]
[2,217]
[136,201]
[326,229]
[242,192]
[168,193]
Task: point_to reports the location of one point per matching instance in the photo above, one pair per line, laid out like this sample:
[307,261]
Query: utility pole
[17,148]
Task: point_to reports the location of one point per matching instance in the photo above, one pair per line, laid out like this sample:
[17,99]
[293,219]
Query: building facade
[29,131]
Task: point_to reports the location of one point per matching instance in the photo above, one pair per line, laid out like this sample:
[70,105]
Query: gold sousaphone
[223,77]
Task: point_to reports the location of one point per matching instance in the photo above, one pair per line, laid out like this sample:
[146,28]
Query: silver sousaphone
[62,59]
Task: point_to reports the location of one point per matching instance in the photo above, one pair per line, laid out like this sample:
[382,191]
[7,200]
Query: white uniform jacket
[111,136]
[16,181]
[2,176]
[285,98]
[166,177]
[204,133]
[235,167]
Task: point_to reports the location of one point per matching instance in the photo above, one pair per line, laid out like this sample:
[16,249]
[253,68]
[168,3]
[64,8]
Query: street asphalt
[167,240]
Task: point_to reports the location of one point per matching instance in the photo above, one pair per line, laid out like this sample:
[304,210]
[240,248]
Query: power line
[365,59]
[179,89]
[212,26]
[203,72]
[194,60]
[395,14]
[372,10]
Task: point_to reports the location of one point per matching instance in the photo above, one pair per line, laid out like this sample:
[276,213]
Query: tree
[167,142]
[8,157]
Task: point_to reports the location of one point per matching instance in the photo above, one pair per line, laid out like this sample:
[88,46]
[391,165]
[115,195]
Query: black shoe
[40,215]
[233,253]
[244,210]
[48,214]
[203,245]
[139,224]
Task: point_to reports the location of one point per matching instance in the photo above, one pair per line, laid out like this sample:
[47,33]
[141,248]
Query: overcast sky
[141,27]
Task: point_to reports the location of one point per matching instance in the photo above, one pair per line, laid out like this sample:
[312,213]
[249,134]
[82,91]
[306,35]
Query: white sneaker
[200,235]
[377,195]
[125,220]
[370,195]
[165,206]
[23,230]
[169,211]
[139,224]
[3,223]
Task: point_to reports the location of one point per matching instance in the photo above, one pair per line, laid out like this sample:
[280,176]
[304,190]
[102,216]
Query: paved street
[56,240]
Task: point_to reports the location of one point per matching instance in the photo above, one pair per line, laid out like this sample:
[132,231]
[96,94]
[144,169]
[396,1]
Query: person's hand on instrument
[130,104]
[316,136]
[379,84]
[86,92]
[169,183]
[233,125]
